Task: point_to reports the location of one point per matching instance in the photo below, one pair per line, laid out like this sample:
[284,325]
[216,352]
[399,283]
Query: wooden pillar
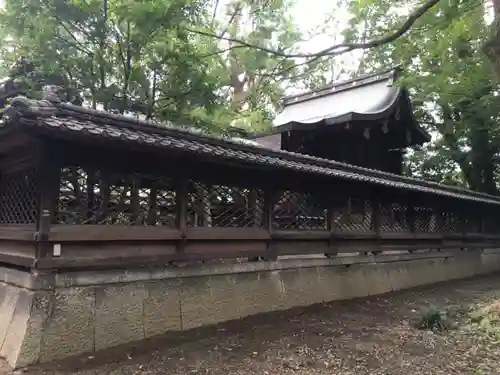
[367,214]
[181,203]
[332,229]
[90,192]
[104,192]
[134,201]
[411,216]
[255,207]
[347,213]
[440,212]
[152,204]
[204,204]
[466,217]
[267,212]
[375,222]
[436,220]
[482,221]
[49,182]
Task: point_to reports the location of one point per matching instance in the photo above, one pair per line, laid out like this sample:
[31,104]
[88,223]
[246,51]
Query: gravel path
[366,336]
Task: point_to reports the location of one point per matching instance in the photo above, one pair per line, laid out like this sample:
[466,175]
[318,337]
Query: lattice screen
[224,206]
[353,215]
[426,220]
[451,222]
[304,211]
[94,197]
[19,192]
[394,218]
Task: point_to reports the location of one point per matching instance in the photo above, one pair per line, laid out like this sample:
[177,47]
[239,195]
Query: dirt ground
[365,336]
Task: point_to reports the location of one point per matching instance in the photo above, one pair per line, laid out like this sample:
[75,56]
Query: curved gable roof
[371,97]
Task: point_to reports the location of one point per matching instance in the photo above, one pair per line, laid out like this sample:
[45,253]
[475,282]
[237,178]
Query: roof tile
[91,123]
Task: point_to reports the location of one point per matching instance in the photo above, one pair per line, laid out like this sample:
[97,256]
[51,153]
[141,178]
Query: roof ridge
[343,85]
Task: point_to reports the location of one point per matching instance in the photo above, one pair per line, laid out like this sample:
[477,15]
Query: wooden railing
[102,219]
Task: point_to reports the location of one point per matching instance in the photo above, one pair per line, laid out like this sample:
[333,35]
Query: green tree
[123,55]
[451,85]
[253,81]
[152,57]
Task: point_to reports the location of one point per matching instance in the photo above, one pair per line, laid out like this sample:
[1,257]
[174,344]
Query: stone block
[22,344]
[119,313]
[259,292]
[9,296]
[377,277]
[40,313]
[330,287]
[208,300]
[398,275]
[70,329]
[300,287]
[353,282]
[162,307]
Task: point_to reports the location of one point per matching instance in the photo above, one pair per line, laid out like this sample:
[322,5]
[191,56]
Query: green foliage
[147,56]
[115,52]
[254,80]
[434,320]
[450,83]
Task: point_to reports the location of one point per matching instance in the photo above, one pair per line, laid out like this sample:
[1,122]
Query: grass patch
[433,319]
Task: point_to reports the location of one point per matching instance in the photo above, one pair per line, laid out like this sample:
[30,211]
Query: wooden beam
[269,199]
[49,183]
[23,233]
[111,233]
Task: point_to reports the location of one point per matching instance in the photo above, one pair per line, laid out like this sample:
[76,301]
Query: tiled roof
[372,98]
[83,122]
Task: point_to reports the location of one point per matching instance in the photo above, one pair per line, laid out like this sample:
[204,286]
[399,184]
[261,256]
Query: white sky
[309,14]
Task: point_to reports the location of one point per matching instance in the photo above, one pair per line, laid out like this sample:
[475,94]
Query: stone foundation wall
[49,317]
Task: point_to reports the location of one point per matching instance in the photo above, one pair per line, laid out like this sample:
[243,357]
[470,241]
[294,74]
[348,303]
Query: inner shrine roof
[368,98]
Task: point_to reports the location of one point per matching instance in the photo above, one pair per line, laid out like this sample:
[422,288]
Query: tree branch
[336,49]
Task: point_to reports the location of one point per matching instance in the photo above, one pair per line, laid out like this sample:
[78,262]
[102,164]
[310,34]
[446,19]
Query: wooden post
[134,201]
[464,221]
[437,220]
[411,217]
[49,180]
[267,212]
[255,206]
[105,192]
[332,228]
[441,212]
[90,192]
[376,220]
[482,223]
[181,198]
[204,204]
[152,204]
[376,212]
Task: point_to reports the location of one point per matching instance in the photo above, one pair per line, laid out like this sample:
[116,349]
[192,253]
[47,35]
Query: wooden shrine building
[367,121]
[100,212]
[82,188]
